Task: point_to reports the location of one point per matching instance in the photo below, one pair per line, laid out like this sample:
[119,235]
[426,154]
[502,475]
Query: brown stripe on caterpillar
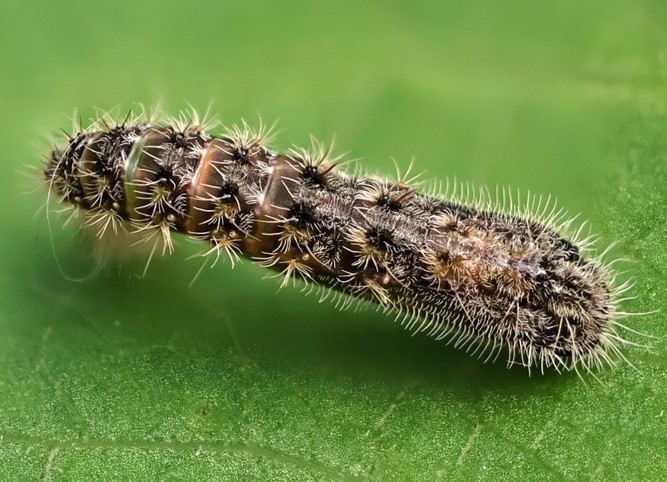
[485,277]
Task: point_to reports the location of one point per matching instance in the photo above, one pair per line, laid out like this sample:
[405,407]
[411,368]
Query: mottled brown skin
[479,275]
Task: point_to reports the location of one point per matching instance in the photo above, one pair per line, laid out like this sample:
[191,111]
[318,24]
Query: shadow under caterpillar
[485,277]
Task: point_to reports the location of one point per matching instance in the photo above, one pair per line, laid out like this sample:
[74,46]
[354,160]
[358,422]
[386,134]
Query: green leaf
[125,378]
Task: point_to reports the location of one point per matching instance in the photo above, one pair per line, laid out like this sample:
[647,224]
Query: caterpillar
[488,278]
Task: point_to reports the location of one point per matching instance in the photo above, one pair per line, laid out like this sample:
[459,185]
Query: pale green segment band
[132,165]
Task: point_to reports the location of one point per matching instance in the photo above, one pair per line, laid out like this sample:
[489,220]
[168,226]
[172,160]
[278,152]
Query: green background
[123,378]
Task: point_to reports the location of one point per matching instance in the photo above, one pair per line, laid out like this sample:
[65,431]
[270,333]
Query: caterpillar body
[486,278]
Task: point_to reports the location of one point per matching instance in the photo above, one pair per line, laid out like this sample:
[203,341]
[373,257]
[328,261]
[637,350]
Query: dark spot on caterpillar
[228,191]
[391,203]
[379,237]
[313,176]
[300,214]
[178,139]
[569,251]
[241,155]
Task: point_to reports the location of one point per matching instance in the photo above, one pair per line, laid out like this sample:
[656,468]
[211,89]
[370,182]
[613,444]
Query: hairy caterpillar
[486,278]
